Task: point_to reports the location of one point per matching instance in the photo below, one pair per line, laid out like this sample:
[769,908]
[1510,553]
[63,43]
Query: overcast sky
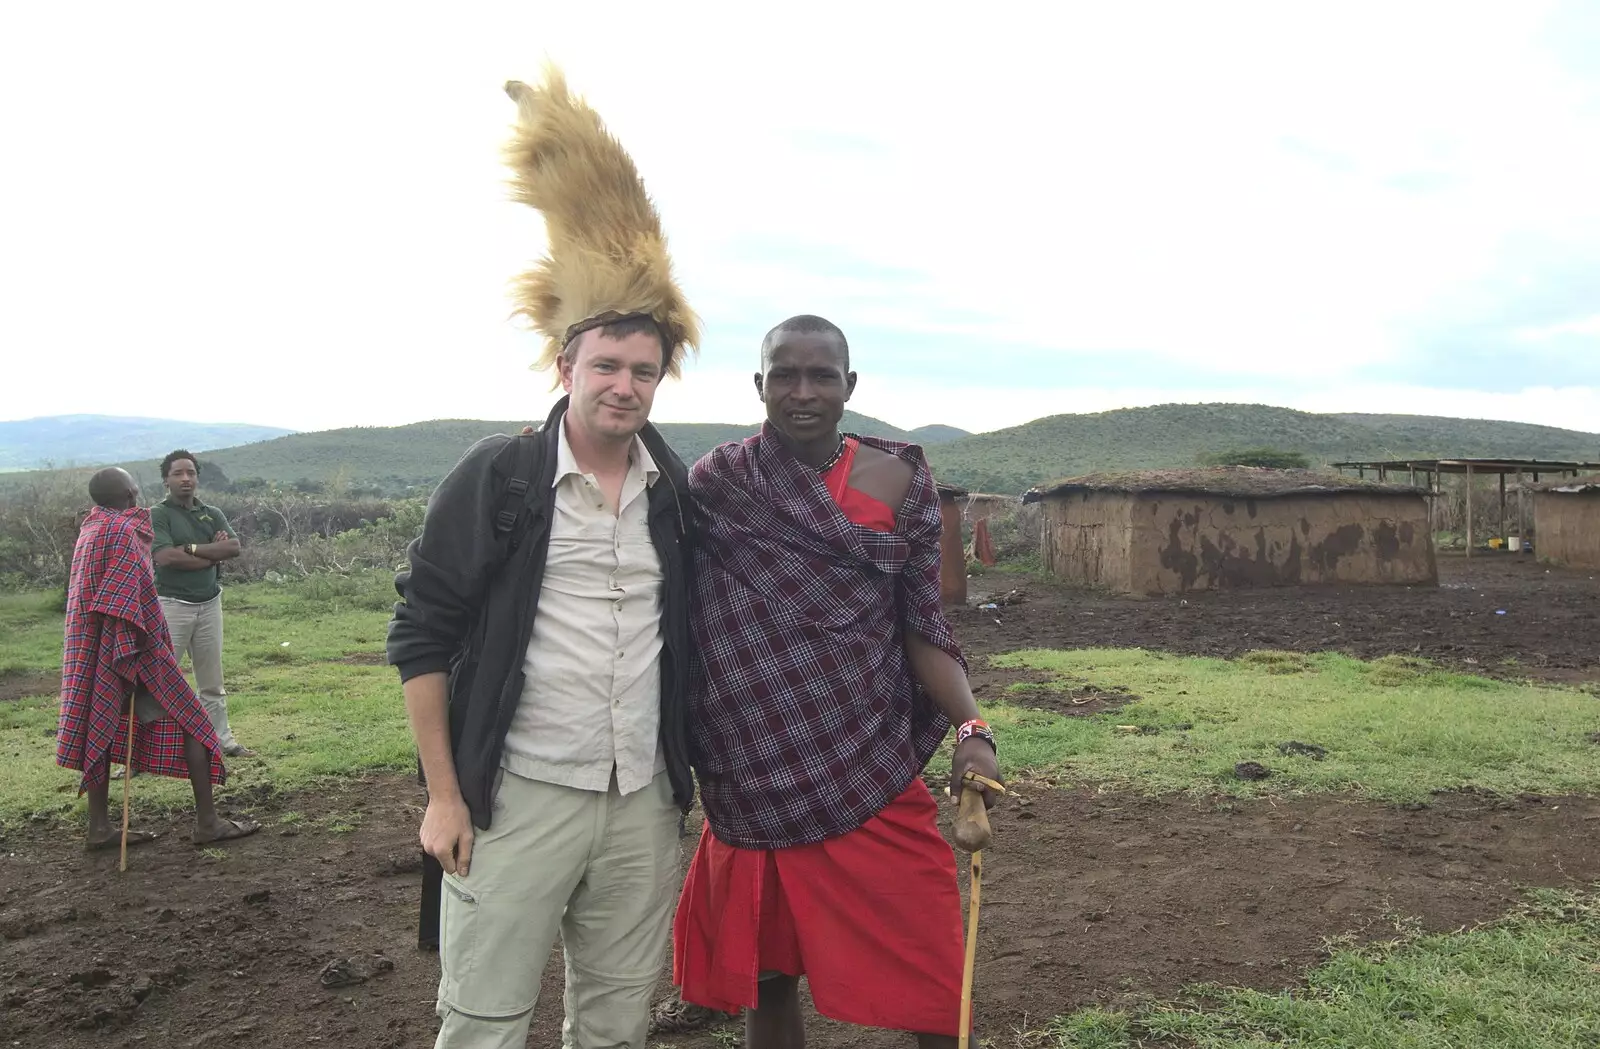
[295,214]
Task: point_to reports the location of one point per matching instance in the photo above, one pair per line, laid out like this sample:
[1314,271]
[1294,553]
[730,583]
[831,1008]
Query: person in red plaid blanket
[826,677]
[117,650]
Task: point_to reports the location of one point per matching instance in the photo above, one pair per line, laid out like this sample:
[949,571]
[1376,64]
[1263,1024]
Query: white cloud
[297,217]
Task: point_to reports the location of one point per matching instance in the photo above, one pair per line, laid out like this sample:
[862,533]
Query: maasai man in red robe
[117,651]
[827,677]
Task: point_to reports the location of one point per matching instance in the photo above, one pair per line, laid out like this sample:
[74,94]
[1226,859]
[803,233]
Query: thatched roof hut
[1172,531]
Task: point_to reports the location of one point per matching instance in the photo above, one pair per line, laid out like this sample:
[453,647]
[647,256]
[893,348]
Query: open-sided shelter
[1152,532]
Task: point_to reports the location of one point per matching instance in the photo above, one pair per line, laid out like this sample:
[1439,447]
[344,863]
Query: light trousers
[197,630]
[600,870]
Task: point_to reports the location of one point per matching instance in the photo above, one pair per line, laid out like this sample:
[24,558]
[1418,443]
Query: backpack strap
[513,498]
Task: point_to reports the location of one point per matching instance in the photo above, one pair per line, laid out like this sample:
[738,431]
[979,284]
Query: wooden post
[1502,506]
[1413,475]
[1522,508]
[1469,509]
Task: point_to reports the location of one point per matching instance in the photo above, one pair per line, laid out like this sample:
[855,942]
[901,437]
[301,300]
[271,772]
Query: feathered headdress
[607,259]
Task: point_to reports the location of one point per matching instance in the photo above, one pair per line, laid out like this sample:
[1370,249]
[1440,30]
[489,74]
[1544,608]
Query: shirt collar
[639,457]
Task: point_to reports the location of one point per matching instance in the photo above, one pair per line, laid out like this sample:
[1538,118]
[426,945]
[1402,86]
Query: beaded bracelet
[976,728]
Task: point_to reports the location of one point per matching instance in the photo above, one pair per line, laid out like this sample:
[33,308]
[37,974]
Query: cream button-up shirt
[591,697]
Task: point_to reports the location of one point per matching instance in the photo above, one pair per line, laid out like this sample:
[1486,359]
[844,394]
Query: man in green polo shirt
[191,538]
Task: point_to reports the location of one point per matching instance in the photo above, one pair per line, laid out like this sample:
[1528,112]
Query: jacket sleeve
[444,583]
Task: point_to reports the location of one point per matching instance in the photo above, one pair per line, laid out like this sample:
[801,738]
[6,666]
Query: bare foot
[225,830]
[239,750]
[113,839]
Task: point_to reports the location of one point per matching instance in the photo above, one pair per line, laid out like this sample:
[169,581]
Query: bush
[283,531]
[1271,458]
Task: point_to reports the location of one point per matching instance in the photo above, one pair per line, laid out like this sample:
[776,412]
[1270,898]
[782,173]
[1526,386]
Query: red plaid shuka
[117,638]
[806,718]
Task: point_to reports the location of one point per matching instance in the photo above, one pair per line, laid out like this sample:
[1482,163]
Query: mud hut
[952,553]
[1566,522]
[1173,531]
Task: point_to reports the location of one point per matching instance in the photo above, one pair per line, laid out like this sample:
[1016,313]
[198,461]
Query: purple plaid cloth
[807,720]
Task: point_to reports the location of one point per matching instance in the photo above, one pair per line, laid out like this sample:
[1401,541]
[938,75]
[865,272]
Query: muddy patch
[18,684]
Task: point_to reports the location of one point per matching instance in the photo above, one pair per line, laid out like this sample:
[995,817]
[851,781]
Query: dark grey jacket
[463,613]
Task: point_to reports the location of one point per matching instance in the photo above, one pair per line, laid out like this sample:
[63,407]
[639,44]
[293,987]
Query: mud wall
[952,553]
[1566,528]
[1168,543]
[1085,539]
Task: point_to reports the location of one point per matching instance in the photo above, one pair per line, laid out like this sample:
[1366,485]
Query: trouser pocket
[490,956]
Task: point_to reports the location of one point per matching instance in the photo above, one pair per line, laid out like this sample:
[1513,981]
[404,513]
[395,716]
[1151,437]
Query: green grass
[307,717]
[30,633]
[1530,981]
[1395,729]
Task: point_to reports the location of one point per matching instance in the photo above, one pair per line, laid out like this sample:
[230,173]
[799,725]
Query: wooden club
[972,834]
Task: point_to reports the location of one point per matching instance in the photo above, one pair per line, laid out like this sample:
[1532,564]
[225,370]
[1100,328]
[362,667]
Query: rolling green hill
[1015,459]
[1008,461]
[394,457]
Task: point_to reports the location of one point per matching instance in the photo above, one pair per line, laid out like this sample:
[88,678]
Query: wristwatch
[189,549]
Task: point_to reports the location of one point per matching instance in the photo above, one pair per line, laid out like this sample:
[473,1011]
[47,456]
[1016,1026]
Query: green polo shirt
[175,526]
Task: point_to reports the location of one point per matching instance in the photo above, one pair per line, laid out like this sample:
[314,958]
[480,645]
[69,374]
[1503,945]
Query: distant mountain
[396,457]
[937,433]
[1014,459]
[83,440]
[392,458]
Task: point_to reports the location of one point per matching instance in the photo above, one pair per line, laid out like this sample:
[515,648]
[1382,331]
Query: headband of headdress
[606,259]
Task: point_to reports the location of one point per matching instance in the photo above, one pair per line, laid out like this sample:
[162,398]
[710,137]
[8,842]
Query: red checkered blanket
[117,639]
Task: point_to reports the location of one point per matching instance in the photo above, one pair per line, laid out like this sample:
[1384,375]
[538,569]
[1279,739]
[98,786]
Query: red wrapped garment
[116,640]
[871,917]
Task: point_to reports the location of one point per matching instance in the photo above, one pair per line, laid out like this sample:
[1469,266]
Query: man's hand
[447,835]
[221,537]
[974,755]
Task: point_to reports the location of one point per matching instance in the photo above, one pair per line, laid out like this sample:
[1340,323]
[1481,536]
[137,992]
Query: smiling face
[805,383]
[612,383]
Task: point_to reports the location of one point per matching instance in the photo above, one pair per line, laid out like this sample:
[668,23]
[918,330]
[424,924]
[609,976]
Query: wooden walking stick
[972,834]
[127,783]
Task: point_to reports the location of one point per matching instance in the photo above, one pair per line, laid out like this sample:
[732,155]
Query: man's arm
[946,684]
[177,557]
[448,565]
[442,589]
[164,552]
[938,672]
[447,825]
[224,545]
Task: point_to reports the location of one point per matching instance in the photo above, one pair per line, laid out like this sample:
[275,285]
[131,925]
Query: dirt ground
[1087,898]
[1549,629]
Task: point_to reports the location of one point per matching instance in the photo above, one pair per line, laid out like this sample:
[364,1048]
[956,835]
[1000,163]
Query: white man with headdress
[542,636]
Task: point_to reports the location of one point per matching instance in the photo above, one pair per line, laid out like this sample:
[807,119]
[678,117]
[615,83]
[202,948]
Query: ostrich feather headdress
[607,258]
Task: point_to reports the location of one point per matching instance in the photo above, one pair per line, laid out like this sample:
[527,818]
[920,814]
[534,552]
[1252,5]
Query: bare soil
[17,684]
[1088,899]
[1503,614]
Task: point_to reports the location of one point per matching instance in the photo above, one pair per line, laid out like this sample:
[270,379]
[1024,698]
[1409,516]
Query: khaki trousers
[197,630]
[599,869]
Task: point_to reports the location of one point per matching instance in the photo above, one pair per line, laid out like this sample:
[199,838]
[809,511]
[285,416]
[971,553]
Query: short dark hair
[172,457]
[807,324]
[634,324]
